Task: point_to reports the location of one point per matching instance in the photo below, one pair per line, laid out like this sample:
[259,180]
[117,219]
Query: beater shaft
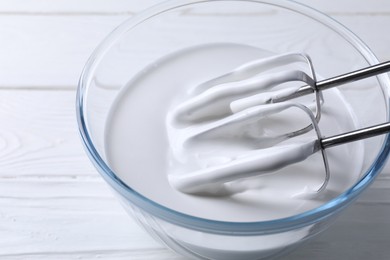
[339,80]
[355,135]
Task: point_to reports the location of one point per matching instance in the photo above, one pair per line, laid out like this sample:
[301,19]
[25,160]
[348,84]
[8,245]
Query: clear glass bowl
[275,25]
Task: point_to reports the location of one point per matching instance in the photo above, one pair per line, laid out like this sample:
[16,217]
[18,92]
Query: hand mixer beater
[253,91]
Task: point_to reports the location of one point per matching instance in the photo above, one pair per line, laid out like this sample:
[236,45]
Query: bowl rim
[214,226]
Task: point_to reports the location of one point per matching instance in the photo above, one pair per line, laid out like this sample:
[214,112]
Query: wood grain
[40,136]
[69,219]
[119,7]
[74,7]
[50,51]
[53,204]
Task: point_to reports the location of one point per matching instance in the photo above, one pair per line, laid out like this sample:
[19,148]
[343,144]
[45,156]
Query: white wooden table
[53,204]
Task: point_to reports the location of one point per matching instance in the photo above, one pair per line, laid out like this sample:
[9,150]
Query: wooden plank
[74,7]
[350,7]
[81,219]
[116,7]
[68,219]
[51,207]
[362,232]
[39,136]
[51,51]
[53,204]
[159,254]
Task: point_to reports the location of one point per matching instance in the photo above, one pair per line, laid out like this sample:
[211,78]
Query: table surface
[53,204]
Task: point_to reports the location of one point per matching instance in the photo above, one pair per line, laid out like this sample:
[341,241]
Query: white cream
[263,161]
[244,165]
[245,99]
[138,149]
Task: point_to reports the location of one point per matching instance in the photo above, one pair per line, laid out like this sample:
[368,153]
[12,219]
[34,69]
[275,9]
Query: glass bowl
[277,26]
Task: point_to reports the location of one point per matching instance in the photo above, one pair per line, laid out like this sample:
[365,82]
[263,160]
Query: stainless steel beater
[194,182]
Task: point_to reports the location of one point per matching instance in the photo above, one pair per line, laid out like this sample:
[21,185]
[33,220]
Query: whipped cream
[245,100]
[149,152]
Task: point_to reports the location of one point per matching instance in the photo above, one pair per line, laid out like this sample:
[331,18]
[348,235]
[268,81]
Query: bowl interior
[275,26]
